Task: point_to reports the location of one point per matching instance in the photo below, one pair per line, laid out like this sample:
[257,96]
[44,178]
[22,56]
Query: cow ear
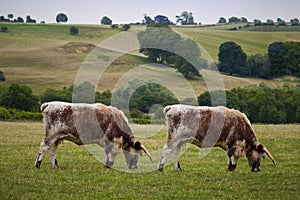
[137,145]
[260,148]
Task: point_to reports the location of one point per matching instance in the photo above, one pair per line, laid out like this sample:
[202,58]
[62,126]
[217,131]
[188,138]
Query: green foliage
[4,114]
[80,93]
[74,30]
[61,18]
[185,18]
[262,104]
[4,29]
[232,59]
[114,26]
[160,45]
[2,77]
[258,66]
[143,97]
[126,27]
[57,95]
[283,58]
[147,20]
[106,21]
[276,52]
[19,97]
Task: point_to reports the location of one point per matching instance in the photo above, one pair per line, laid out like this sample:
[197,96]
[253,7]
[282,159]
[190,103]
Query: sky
[131,11]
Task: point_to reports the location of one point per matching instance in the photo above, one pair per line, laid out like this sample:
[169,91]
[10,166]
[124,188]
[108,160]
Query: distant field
[47,56]
[81,176]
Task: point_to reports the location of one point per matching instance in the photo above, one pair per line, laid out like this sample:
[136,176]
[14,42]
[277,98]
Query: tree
[20,20]
[292,58]
[269,22]
[147,20]
[234,20]
[20,97]
[244,20]
[106,21]
[232,58]
[222,20]
[258,66]
[74,30]
[10,16]
[29,20]
[61,18]
[257,22]
[295,22]
[162,20]
[185,18]
[276,53]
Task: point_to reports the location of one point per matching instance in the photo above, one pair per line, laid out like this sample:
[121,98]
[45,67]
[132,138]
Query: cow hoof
[38,164]
[160,169]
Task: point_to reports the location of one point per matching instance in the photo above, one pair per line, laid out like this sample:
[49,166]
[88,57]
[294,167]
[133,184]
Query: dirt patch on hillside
[77,47]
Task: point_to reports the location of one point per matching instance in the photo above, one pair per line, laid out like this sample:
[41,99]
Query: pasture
[46,55]
[81,176]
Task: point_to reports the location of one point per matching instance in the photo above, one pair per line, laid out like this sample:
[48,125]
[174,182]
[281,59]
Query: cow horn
[146,152]
[269,155]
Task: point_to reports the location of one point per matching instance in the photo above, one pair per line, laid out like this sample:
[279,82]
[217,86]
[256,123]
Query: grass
[81,176]
[47,56]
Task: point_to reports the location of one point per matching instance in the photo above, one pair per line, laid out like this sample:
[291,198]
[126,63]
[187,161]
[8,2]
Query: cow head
[132,154]
[256,155]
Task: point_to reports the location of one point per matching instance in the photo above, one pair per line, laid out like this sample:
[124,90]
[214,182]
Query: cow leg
[52,153]
[109,156]
[231,163]
[175,156]
[165,153]
[43,149]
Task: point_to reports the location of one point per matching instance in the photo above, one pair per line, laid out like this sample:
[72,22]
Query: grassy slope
[81,176]
[47,56]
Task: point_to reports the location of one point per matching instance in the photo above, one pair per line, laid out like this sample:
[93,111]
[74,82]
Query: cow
[205,126]
[84,124]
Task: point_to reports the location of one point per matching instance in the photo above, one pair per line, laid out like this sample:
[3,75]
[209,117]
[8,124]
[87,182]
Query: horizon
[91,12]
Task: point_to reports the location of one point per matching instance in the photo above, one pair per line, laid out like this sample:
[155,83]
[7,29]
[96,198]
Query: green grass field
[81,176]
[47,56]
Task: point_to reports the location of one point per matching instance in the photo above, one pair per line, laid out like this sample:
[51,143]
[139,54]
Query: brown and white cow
[212,127]
[89,124]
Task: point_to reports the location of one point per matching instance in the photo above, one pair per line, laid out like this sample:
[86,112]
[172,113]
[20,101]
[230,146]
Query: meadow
[81,176]
[48,56]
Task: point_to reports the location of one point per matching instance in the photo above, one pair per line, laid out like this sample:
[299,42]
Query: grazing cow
[212,127]
[89,124]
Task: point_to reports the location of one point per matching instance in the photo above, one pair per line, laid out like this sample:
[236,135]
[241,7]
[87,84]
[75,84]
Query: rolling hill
[48,56]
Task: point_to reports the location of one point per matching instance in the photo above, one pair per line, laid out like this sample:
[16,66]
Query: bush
[4,114]
[2,77]
[4,29]
[114,26]
[126,27]
[74,30]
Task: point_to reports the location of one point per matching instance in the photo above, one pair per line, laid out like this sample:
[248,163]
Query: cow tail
[44,106]
[166,109]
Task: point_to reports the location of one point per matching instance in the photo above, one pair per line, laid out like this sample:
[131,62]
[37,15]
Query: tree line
[260,103]
[282,58]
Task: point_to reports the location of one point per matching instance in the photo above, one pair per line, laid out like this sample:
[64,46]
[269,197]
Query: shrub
[4,29]
[74,30]
[126,27]
[4,114]
[2,77]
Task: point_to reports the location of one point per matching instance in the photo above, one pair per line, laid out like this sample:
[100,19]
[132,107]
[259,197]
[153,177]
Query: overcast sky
[121,11]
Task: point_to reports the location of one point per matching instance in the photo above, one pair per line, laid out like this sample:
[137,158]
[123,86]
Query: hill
[47,56]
